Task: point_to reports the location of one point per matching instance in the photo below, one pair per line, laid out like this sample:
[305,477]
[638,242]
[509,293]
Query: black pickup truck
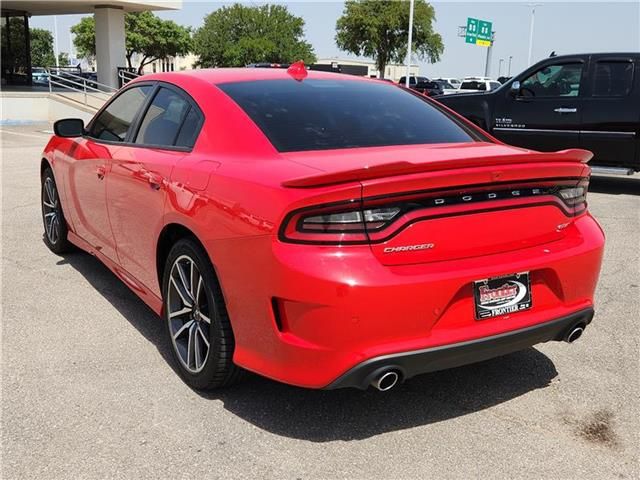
[589,101]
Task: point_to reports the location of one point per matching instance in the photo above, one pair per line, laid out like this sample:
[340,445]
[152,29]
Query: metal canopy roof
[62,7]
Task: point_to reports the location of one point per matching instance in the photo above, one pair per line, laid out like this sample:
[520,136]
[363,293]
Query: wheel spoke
[203,336]
[192,281]
[48,204]
[185,301]
[183,280]
[190,344]
[196,350]
[177,313]
[51,192]
[184,327]
[198,290]
[205,318]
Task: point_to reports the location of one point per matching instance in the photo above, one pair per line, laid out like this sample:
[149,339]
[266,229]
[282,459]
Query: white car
[454,82]
[478,85]
[447,88]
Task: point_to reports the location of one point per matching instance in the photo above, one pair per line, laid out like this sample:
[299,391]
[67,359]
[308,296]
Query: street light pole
[533,17]
[406,84]
[500,66]
[509,69]
[55,41]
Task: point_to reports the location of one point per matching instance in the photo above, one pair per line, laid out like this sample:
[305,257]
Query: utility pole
[533,17]
[487,65]
[406,83]
[55,41]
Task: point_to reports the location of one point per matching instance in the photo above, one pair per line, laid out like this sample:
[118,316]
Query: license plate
[502,295]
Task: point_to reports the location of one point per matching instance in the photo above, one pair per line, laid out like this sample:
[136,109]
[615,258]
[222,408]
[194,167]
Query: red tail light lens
[378,219]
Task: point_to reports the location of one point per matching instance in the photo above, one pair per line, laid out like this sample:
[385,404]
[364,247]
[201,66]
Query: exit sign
[478,32]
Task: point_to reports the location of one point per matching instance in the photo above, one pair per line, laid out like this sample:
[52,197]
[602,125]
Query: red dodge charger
[322,230]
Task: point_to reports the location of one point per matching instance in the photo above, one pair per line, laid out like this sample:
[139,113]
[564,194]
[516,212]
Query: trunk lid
[456,201]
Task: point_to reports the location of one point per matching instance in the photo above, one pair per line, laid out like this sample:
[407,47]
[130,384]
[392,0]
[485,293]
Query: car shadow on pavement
[345,414]
[614,185]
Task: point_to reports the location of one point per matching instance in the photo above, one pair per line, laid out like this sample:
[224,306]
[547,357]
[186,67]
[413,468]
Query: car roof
[232,75]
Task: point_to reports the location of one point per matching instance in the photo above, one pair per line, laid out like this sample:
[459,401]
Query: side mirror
[69,127]
[515,88]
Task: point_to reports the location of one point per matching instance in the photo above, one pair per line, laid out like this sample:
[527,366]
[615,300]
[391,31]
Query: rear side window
[473,85]
[332,114]
[115,120]
[189,130]
[163,119]
[613,79]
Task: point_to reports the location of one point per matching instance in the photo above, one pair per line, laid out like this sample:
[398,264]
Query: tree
[237,35]
[42,48]
[63,59]
[379,29]
[146,35]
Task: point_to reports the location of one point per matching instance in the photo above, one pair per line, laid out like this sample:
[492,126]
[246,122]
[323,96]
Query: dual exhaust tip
[386,380]
[574,333]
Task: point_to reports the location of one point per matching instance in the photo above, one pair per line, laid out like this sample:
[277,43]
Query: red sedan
[322,230]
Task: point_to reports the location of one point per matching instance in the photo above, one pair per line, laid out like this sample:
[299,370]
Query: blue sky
[566,27]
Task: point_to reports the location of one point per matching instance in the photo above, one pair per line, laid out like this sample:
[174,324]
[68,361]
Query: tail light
[375,220]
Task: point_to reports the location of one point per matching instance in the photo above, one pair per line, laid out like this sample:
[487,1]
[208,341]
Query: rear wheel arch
[170,234]
[44,164]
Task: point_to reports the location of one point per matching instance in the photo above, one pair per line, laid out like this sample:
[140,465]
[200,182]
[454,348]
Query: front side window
[331,114]
[115,120]
[554,81]
[163,119]
[613,79]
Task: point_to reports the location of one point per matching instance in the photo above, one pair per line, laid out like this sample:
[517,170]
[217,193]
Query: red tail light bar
[379,218]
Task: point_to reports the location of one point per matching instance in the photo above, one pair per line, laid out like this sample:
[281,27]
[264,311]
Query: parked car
[503,79]
[454,82]
[283,222]
[413,80]
[446,87]
[471,86]
[40,76]
[430,89]
[585,101]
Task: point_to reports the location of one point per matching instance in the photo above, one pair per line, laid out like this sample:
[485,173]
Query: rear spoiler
[575,155]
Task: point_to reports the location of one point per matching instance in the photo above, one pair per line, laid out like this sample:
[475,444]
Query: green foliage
[85,37]
[237,35]
[63,59]
[146,35]
[42,48]
[379,29]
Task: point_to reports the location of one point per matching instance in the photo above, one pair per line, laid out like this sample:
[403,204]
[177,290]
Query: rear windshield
[326,114]
[472,85]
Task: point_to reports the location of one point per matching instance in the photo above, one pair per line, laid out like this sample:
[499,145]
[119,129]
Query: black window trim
[611,59]
[137,119]
[526,74]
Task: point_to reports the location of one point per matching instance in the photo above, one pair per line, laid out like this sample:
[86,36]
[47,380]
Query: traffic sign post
[479,32]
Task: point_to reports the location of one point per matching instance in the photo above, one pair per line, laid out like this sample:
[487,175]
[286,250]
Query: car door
[545,113]
[611,111]
[90,166]
[141,169]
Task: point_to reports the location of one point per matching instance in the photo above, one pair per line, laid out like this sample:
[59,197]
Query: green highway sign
[478,32]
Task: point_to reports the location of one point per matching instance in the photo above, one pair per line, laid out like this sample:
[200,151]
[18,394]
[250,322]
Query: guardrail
[79,84]
[126,76]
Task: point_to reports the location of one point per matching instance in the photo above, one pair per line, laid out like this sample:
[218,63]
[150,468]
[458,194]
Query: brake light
[376,220]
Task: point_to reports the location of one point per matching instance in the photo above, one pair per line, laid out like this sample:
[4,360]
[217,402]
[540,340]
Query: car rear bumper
[318,312]
[409,364]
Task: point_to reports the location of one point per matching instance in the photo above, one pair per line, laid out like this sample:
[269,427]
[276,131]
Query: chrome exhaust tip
[574,334]
[386,381]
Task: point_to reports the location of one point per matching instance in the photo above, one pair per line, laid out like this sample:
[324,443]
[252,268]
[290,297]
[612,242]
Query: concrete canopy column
[110,43]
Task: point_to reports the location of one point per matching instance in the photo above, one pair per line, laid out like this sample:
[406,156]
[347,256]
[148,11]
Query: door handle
[154,179]
[101,171]
[565,110]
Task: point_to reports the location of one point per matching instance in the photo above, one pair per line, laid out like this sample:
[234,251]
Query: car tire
[196,320]
[55,225]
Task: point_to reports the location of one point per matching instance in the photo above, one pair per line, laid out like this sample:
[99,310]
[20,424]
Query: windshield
[326,114]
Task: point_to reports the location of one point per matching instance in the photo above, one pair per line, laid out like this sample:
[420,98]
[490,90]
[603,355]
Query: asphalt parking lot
[88,390]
